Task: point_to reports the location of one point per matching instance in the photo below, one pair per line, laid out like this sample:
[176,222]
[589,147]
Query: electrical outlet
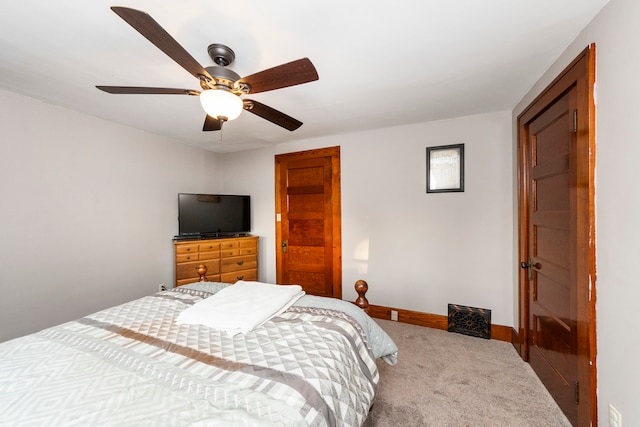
[161,287]
[615,419]
[394,315]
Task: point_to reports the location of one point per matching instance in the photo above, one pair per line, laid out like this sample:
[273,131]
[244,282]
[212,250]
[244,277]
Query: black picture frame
[445,168]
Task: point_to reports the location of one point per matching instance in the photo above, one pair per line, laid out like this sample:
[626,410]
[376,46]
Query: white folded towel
[242,307]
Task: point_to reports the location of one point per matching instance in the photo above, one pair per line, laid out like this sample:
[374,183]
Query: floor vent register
[469,321]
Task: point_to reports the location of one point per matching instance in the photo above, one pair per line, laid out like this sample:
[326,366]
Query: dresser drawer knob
[240,262]
[239,277]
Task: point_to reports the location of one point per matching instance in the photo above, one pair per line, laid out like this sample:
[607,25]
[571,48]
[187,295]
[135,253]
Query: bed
[134,364]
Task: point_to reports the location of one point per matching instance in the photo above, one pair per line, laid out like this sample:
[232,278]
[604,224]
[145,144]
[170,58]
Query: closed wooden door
[552,299]
[556,236]
[308,225]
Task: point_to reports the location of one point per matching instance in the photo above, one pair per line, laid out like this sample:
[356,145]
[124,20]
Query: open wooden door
[557,239]
[308,224]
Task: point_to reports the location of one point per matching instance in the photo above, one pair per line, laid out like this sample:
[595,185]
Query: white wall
[417,251]
[88,209]
[252,172]
[616,31]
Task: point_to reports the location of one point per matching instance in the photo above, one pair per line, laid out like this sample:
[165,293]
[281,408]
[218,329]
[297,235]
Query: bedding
[313,364]
[242,307]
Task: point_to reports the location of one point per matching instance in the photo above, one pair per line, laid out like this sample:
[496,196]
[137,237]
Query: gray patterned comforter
[133,365]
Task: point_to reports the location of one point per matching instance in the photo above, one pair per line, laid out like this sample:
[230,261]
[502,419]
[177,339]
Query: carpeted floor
[446,379]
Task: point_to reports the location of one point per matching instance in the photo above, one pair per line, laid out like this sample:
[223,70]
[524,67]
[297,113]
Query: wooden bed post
[361,288]
[202,271]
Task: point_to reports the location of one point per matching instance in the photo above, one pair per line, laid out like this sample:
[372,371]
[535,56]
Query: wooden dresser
[227,259]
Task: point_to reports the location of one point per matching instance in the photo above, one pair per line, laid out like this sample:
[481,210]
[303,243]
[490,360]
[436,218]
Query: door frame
[581,74]
[336,209]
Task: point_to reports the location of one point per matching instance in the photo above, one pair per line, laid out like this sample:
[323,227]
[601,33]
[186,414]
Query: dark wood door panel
[306,255]
[553,297]
[553,219]
[551,167]
[306,174]
[551,245]
[549,130]
[305,202]
[553,360]
[307,232]
[314,283]
[552,192]
[554,340]
[563,392]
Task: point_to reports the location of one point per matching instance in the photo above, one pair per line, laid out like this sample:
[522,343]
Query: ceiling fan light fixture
[221,87]
[219,103]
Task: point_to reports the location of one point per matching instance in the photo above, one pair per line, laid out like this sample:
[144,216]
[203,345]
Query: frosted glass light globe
[220,103]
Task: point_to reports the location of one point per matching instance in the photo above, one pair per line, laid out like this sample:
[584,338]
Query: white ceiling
[380,63]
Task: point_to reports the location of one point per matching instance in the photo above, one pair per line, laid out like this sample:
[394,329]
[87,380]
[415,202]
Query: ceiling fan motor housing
[223,77]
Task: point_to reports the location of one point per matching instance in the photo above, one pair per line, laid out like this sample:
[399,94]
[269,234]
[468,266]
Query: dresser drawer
[189,269]
[229,245]
[249,247]
[247,275]
[209,247]
[180,258]
[238,263]
[209,255]
[191,248]
[249,243]
[225,253]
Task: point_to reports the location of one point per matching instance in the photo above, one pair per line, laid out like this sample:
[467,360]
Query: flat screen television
[213,215]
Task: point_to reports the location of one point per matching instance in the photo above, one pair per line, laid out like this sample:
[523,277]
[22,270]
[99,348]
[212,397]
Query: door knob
[530,266]
[284,246]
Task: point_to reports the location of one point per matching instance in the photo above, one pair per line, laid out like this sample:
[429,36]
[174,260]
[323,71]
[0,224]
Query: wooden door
[308,225]
[553,294]
[556,162]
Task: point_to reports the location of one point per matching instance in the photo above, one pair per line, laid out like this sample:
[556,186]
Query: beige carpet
[448,379]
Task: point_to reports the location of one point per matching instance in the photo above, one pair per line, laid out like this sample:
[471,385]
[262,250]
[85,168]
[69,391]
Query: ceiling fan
[221,87]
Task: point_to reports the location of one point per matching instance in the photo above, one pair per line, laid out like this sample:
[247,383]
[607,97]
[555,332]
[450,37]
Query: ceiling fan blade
[271,114]
[135,90]
[211,123]
[285,75]
[148,27]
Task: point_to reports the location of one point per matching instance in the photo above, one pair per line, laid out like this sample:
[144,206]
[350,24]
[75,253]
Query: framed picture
[445,168]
